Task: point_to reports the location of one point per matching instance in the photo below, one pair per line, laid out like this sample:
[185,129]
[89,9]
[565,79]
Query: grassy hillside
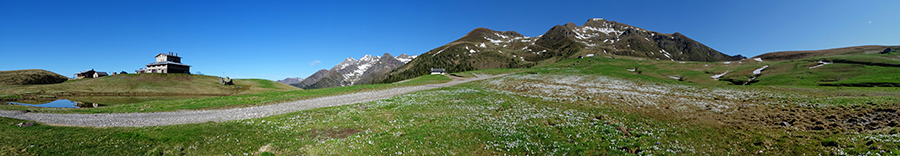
[483,48]
[591,106]
[223,102]
[30,76]
[855,68]
[151,84]
[792,55]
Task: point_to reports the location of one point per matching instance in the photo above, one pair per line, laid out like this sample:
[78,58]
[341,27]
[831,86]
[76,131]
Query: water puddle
[97,101]
[61,103]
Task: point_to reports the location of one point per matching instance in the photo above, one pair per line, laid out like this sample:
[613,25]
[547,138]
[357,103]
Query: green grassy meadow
[223,102]
[556,109]
[151,84]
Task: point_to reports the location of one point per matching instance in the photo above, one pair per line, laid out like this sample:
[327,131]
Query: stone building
[166,63]
[90,74]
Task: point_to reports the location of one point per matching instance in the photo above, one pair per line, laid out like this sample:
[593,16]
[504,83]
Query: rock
[226,81]
[362,107]
[25,124]
[623,130]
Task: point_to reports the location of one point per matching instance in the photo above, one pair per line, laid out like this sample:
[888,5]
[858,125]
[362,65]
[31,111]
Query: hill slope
[153,84]
[483,48]
[312,79]
[863,66]
[30,76]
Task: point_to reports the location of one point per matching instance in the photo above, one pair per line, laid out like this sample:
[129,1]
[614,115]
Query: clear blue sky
[278,39]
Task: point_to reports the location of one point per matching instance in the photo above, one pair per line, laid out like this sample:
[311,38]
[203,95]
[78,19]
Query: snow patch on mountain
[759,71]
[717,76]
[406,59]
[821,63]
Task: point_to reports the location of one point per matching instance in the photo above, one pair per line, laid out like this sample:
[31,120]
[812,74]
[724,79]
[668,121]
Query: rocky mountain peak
[367,69]
[571,25]
[291,80]
[344,64]
[484,48]
[368,58]
[387,55]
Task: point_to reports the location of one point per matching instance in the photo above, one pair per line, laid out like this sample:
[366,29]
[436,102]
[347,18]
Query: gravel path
[199,116]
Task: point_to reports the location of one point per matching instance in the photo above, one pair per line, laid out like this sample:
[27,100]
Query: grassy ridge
[466,119]
[152,84]
[844,70]
[30,76]
[223,102]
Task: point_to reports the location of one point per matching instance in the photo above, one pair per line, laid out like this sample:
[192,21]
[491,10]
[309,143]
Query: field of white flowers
[614,91]
[473,120]
[527,114]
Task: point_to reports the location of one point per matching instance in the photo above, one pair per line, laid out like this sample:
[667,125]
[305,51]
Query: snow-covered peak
[347,62]
[369,58]
[597,19]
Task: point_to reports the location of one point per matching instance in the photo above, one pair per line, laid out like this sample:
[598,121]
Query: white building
[438,71]
[166,63]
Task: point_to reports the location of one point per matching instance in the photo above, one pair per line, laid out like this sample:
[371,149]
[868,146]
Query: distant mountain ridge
[484,48]
[366,70]
[291,80]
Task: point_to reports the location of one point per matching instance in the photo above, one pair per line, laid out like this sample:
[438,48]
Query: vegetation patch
[10,96]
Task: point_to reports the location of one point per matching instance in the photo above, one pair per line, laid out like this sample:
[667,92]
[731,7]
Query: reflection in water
[87,105]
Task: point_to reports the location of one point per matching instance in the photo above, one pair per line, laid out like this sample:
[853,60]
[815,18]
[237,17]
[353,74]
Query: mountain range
[484,48]
[291,80]
[366,70]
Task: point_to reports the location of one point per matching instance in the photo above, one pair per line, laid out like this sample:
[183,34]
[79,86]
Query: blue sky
[278,39]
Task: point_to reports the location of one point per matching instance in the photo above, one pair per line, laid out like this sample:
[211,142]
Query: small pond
[98,101]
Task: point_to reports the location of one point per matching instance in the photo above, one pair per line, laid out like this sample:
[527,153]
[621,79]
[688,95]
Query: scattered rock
[623,130]
[226,81]
[25,124]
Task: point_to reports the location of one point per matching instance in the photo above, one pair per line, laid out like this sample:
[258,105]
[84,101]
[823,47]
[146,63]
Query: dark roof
[166,55]
[167,62]
[102,74]
[438,70]
[85,72]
